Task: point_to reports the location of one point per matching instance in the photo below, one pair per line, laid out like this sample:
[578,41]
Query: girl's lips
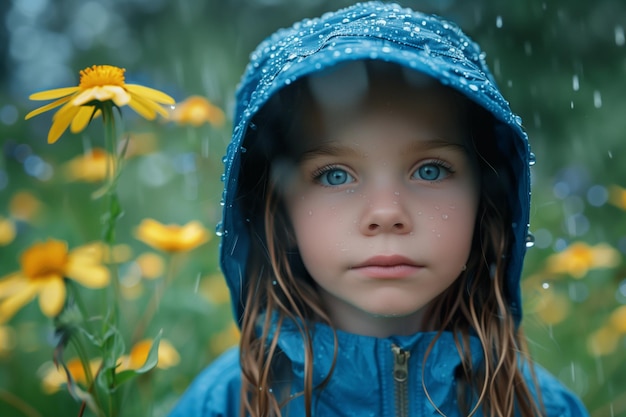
[388,267]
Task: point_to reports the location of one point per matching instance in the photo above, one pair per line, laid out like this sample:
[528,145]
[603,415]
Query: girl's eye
[333,177]
[432,171]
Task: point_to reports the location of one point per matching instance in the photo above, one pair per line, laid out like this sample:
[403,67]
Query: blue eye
[333,177]
[432,172]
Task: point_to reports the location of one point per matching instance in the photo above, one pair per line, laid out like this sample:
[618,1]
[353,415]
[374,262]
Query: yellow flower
[151,265]
[172,238]
[603,341]
[617,197]
[7,231]
[44,266]
[98,84]
[579,258]
[167,356]
[552,307]
[53,377]
[196,111]
[225,339]
[24,206]
[137,144]
[89,167]
[214,288]
[618,319]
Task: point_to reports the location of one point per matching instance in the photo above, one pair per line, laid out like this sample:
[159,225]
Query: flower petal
[52,295]
[52,94]
[82,119]
[12,304]
[142,109]
[47,107]
[12,284]
[87,273]
[152,105]
[149,93]
[61,121]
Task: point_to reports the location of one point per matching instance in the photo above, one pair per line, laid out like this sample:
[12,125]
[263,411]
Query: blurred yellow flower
[618,319]
[89,167]
[617,196]
[98,84]
[603,341]
[167,355]
[197,110]
[579,258]
[7,340]
[225,339]
[136,144]
[552,308]
[172,238]
[44,266]
[24,206]
[151,265]
[53,377]
[7,231]
[214,288]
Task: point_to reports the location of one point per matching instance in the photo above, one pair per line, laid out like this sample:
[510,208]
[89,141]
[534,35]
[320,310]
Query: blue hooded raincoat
[363,382]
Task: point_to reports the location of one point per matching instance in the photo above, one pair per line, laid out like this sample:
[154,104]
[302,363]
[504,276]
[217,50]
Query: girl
[376,215]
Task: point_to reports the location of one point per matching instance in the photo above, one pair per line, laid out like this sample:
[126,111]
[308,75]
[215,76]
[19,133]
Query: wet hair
[279,288]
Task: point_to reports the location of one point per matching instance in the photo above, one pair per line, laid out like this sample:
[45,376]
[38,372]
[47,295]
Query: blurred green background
[561,64]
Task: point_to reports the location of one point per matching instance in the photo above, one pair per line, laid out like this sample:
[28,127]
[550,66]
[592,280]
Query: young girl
[376,210]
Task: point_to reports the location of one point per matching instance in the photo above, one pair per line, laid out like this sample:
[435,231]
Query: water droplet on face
[310,212]
[444,216]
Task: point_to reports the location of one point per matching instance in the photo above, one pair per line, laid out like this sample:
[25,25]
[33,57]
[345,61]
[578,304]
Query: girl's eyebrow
[331,149]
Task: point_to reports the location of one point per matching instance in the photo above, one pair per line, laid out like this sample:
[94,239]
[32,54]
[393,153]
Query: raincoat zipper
[401,378]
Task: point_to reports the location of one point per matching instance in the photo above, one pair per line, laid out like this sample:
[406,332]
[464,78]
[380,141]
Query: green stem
[155,300]
[89,377]
[18,404]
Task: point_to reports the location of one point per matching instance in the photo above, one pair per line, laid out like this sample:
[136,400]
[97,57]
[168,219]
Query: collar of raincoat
[371,31]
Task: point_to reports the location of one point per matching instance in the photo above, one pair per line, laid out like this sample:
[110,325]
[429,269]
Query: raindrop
[219,229]
[545,285]
[532,159]
[620,40]
[530,240]
[444,216]
[310,212]
[597,99]
[274,282]
[575,83]
[499,22]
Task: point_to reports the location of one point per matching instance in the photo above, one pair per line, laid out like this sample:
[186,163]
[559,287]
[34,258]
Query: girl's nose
[386,213]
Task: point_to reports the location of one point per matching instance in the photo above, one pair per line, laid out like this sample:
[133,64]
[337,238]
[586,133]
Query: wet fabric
[363,382]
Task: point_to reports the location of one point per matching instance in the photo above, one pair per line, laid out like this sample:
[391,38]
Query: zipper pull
[400,363]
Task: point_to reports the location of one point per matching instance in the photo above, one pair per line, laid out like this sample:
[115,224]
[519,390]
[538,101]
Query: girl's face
[383,204]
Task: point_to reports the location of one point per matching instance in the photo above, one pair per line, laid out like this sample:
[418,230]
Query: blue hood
[374,31]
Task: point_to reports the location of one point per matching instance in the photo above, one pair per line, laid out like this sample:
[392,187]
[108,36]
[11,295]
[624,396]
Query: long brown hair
[278,288]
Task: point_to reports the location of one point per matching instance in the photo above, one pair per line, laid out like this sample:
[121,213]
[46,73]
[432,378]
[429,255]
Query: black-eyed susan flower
[44,268]
[577,259]
[196,111]
[98,84]
[172,237]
